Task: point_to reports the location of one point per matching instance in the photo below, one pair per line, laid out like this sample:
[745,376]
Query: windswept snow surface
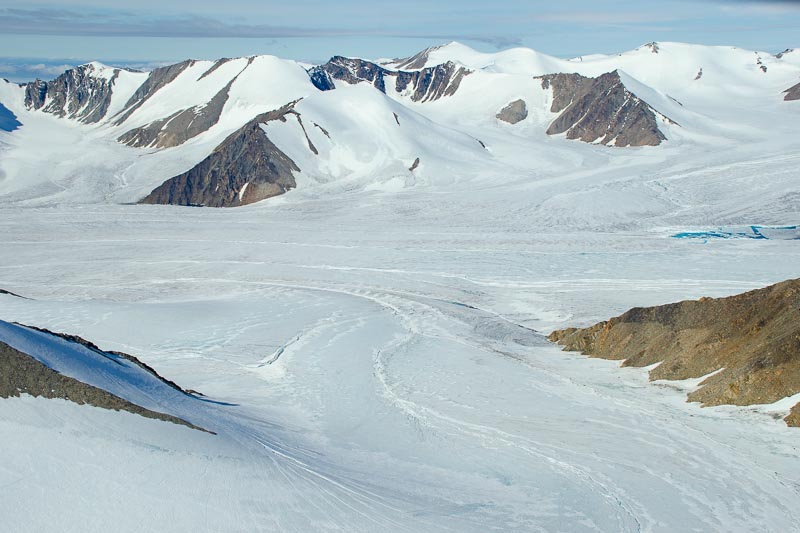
[371,344]
[376,368]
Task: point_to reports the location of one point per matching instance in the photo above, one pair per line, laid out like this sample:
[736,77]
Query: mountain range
[231,132]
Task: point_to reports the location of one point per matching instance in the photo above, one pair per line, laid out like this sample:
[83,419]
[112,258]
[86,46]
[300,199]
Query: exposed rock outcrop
[751,340]
[8,120]
[792,93]
[245,168]
[514,112]
[79,93]
[601,110]
[424,85]
[21,373]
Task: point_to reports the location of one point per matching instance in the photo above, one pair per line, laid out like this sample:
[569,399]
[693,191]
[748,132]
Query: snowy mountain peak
[99,70]
[168,121]
[433,56]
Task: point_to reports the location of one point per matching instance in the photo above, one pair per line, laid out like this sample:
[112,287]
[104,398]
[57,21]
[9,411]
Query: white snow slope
[371,343]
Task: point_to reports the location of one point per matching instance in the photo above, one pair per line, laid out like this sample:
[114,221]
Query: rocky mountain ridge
[186,111]
[424,85]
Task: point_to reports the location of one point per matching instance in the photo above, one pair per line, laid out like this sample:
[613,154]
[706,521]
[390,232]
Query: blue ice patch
[747,232]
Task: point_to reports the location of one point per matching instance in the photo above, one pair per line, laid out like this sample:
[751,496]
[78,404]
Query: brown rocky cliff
[752,339]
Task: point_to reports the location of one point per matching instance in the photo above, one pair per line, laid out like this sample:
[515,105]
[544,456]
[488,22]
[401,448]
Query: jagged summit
[427,84]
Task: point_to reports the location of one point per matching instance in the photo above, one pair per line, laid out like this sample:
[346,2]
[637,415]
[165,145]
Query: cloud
[63,22]
[40,69]
[47,21]
[600,17]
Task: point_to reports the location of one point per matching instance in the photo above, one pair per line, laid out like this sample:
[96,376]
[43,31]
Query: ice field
[385,371]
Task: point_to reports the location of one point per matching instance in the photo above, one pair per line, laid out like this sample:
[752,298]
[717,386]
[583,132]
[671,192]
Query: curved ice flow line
[412,409]
[399,313]
[406,405]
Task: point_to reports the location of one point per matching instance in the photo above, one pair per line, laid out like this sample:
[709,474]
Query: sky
[41,40]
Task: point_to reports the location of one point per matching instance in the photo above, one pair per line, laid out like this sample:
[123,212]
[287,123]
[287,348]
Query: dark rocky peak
[785,52]
[245,168]
[792,93]
[423,85]
[349,70]
[82,93]
[601,110]
[432,83]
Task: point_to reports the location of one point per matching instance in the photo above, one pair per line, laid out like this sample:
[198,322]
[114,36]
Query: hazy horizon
[43,39]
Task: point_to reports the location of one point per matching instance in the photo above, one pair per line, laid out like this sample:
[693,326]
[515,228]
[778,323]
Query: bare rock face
[792,93]
[76,94]
[432,83]
[423,85]
[601,110]
[351,71]
[515,112]
[754,337]
[245,168]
